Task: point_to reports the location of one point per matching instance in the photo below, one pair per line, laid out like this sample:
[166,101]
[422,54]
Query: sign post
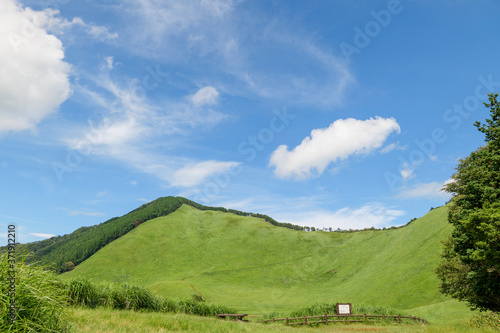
[344,308]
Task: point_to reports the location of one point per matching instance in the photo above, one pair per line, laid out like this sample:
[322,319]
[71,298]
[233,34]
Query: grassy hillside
[85,241]
[256,267]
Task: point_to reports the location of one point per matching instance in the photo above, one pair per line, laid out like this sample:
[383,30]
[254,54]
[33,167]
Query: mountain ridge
[251,265]
[59,251]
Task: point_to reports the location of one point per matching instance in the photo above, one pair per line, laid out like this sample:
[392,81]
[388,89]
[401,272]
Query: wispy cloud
[36,234]
[432,190]
[50,20]
[132,124]
[102,194]
[393,146]
[211,31]
[23,219]
[84,212]
[370,215]
[310,211]
[194,174]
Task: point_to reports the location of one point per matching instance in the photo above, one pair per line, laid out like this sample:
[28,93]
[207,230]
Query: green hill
[85,241]
[256,267]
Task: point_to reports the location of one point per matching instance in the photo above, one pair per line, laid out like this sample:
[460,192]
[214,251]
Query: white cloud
[205,96]
[194,174]
[99,32]
[406,172]
[342,139]
[219,7]
[131,118]
[50,20]
[449,181]
[320,81]
[36,234]
[211,30]
[391,147]
[84,212]
[33,76]
[425,190]
[102,194]
[370,215]
[165,21]
[132,126]
[109,62]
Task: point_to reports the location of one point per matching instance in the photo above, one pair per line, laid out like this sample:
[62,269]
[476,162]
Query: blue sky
[342,114]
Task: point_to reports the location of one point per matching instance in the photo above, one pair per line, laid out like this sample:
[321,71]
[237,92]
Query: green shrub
[202,308]
[39,298]
[319,309]
[82,292]
[486,320]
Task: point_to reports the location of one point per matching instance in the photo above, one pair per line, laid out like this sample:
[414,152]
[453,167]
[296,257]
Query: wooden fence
[325,319]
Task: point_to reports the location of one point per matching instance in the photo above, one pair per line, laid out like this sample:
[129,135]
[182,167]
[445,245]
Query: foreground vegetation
[45,304]
[318,309]
[40,303]
[82,292]
[120,321]
[470,269]
[40,300]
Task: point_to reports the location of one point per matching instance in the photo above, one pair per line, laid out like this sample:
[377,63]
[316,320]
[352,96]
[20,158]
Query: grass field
[246,263]
[116,321]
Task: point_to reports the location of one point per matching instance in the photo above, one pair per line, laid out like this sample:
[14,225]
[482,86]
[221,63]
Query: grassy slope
[249,264]
[85,241]
[116,321]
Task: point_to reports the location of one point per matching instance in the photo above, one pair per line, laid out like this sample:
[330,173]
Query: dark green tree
[470,266]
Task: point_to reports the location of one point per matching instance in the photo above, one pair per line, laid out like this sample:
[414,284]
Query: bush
[486,320]
[319,309]
[39,298]
[115,296]
[126,296]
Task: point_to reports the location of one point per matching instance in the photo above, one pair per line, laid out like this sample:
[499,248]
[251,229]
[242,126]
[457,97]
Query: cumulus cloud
[342,139]
[33,76]
[194,174]
[432,190]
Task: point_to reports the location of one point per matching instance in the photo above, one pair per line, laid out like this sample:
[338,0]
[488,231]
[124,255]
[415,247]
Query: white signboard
[343,308]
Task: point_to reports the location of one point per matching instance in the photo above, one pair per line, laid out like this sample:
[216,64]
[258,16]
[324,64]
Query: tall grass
[39,298]
[116,296]
[319,309]
[126,296]
[486,320]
